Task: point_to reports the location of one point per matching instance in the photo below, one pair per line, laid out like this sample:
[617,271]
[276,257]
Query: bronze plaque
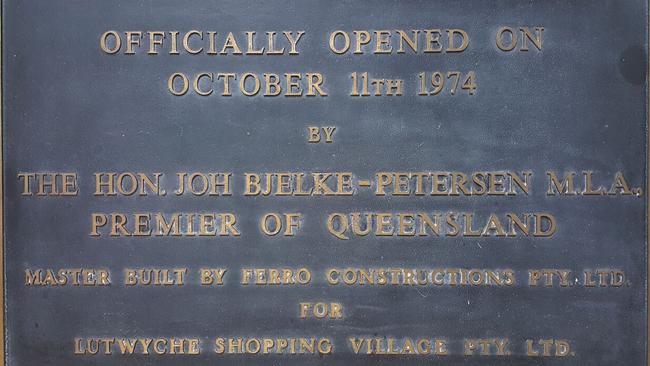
[325,182]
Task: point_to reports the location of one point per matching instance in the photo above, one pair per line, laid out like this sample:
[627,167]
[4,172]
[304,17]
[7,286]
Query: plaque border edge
[647,184]
[2,207]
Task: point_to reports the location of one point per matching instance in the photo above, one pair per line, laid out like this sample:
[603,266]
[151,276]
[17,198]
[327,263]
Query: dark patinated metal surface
[580,104]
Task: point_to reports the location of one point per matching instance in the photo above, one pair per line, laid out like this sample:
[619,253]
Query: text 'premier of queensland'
[338,183]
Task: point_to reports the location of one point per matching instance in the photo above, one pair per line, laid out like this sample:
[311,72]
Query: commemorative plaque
[324,182]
